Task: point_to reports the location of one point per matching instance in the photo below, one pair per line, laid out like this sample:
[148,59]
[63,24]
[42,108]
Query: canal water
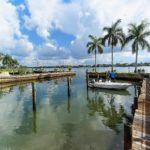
[87,120]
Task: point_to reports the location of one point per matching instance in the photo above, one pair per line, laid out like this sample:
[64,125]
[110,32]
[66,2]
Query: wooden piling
[68,80]
[34,96]
[136,102]
[139,90]
[133,109]
[127,137]
[87,78]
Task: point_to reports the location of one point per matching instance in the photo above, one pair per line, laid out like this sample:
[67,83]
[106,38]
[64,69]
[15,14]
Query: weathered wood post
[133,109]
[127,137]
[136,102]
[34,96]
[68,80]
[87,78]
[139,90]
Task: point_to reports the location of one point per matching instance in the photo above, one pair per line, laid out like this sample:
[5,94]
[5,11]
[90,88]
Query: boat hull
[109,85]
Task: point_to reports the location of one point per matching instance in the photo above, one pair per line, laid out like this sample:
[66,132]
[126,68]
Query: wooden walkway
[141,122]
[28,77]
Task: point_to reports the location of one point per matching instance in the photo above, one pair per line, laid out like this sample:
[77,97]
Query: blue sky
[55,32]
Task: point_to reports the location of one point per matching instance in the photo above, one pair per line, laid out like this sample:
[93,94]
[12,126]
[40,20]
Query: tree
[137,35]
[14,63]
[1,56]
[95,45]
[9,62]
[114,35]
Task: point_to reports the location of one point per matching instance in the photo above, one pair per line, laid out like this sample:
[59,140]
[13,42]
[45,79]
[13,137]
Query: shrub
[69,68]
[93,70]
[139,70]
[143,70]
[55,69]
[22,71]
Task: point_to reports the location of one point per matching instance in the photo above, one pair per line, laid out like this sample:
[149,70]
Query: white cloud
[9,24]
[52,51]
[78,17]
[11,39]
[22,48]
[42,15]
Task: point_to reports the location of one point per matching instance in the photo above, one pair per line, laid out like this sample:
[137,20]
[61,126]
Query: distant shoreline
[88,66]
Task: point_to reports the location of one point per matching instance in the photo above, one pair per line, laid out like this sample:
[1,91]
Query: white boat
[109,85]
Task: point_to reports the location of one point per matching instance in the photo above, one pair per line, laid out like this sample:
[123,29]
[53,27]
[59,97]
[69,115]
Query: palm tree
[95,45]
[137,34]
[113,36]
[1,58]
[14,63]
[9,62]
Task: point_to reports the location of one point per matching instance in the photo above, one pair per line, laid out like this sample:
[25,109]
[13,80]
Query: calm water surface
[87,120]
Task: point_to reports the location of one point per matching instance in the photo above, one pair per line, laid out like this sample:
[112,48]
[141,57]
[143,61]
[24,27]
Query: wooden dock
[37,76]
[141,121]
[120,76]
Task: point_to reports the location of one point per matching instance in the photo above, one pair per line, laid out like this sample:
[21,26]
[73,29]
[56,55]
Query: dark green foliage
[95,45]
[137,35]
[114,35]
[69,68]
[9,62]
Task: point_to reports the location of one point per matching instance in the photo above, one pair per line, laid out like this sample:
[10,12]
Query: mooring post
[127,137]
[133,109]
[34,96]
[87,78]
[68,80]
[139,90]
[136,102]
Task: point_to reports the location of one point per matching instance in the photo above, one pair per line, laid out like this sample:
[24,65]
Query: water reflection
[34,122]
[61,122]
[105,106]
[69,104]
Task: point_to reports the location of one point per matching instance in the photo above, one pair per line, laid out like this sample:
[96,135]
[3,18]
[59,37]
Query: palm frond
[146,34]
[89,44]
[100,49]
[127,40]
[93,38]
[90,49]
[106,29]
[105,38]
[146,44]
[116,24]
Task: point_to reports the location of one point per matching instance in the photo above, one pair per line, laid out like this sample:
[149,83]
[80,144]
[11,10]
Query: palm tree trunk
[112,59]
[136,61]
[95,60]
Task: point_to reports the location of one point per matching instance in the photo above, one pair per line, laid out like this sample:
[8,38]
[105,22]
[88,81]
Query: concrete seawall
[141,121]
[17,78]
